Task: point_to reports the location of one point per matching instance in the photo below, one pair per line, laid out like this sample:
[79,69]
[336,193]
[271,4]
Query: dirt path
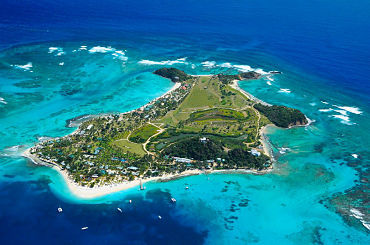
[161,130]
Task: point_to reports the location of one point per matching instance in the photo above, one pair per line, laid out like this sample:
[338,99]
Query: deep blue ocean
[63,59]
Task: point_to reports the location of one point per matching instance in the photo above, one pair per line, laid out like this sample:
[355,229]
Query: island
[204,124]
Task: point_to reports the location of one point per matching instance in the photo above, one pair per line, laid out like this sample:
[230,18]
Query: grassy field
[128,146]
[207,93]
[211,108]
[143,133]
[217,113]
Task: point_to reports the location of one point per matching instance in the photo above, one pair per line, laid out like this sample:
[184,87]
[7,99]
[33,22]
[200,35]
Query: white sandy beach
[98,191]
[234,84]
[174,87]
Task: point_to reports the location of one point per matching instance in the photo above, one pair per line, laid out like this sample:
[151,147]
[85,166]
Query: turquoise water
[291,205]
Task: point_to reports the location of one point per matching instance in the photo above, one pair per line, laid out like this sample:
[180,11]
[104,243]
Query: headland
[204,124]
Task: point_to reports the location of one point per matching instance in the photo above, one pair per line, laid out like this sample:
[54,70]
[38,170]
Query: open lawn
[143,133]
[128,146]
[207,93]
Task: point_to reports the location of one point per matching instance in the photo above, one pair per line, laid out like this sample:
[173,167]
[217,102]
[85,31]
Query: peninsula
[205,123]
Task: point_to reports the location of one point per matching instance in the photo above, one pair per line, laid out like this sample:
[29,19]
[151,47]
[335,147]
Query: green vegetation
[203,124]
[196,149]
[143,133]
[282,116]
[128,146]
[174,74]
[227,79]
[219,113]
[214,153]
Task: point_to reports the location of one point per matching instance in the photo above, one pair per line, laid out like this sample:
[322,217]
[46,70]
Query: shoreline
[84,192]
[174,87]
[235,85]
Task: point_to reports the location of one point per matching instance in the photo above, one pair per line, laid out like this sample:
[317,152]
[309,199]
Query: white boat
[130,201]
[84,228]
[173,199]
[141,185]
[60,210]
[159,217]
[120,210]
[187,187]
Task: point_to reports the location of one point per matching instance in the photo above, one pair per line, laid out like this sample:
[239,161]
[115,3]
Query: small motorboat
[119,210]
[187,188]
[60,210]
[159,217]
[173,199]
[130,201]
[84,228]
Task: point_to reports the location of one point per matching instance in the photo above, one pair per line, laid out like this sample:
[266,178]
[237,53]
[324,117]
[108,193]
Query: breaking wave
[285,90]
[59,51]
[25,67]
[354,110]
[165,62]
[2,100]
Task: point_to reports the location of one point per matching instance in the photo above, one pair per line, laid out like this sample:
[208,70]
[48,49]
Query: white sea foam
[25,67]
[209,64]
[344,119]
[165,62]
[354,156]
[119,54]
[325,110]
[193,66]
[284,150]
[270,78]
[260,71]
[241,68]
[269,83]
[13,148]
[52,49]
[343,112]
[284,90]
[354,110]
[226,65]
[61,63]
[312,104]
[2,100]
[360,216]
[324,102]
[56,49]
[99,49]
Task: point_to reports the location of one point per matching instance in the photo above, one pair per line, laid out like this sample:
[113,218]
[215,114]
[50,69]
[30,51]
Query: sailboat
[141,185]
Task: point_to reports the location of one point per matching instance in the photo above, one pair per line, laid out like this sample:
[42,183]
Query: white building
[255,152]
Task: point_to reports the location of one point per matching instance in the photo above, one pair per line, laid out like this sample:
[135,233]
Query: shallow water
[324,59]
[217,208]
